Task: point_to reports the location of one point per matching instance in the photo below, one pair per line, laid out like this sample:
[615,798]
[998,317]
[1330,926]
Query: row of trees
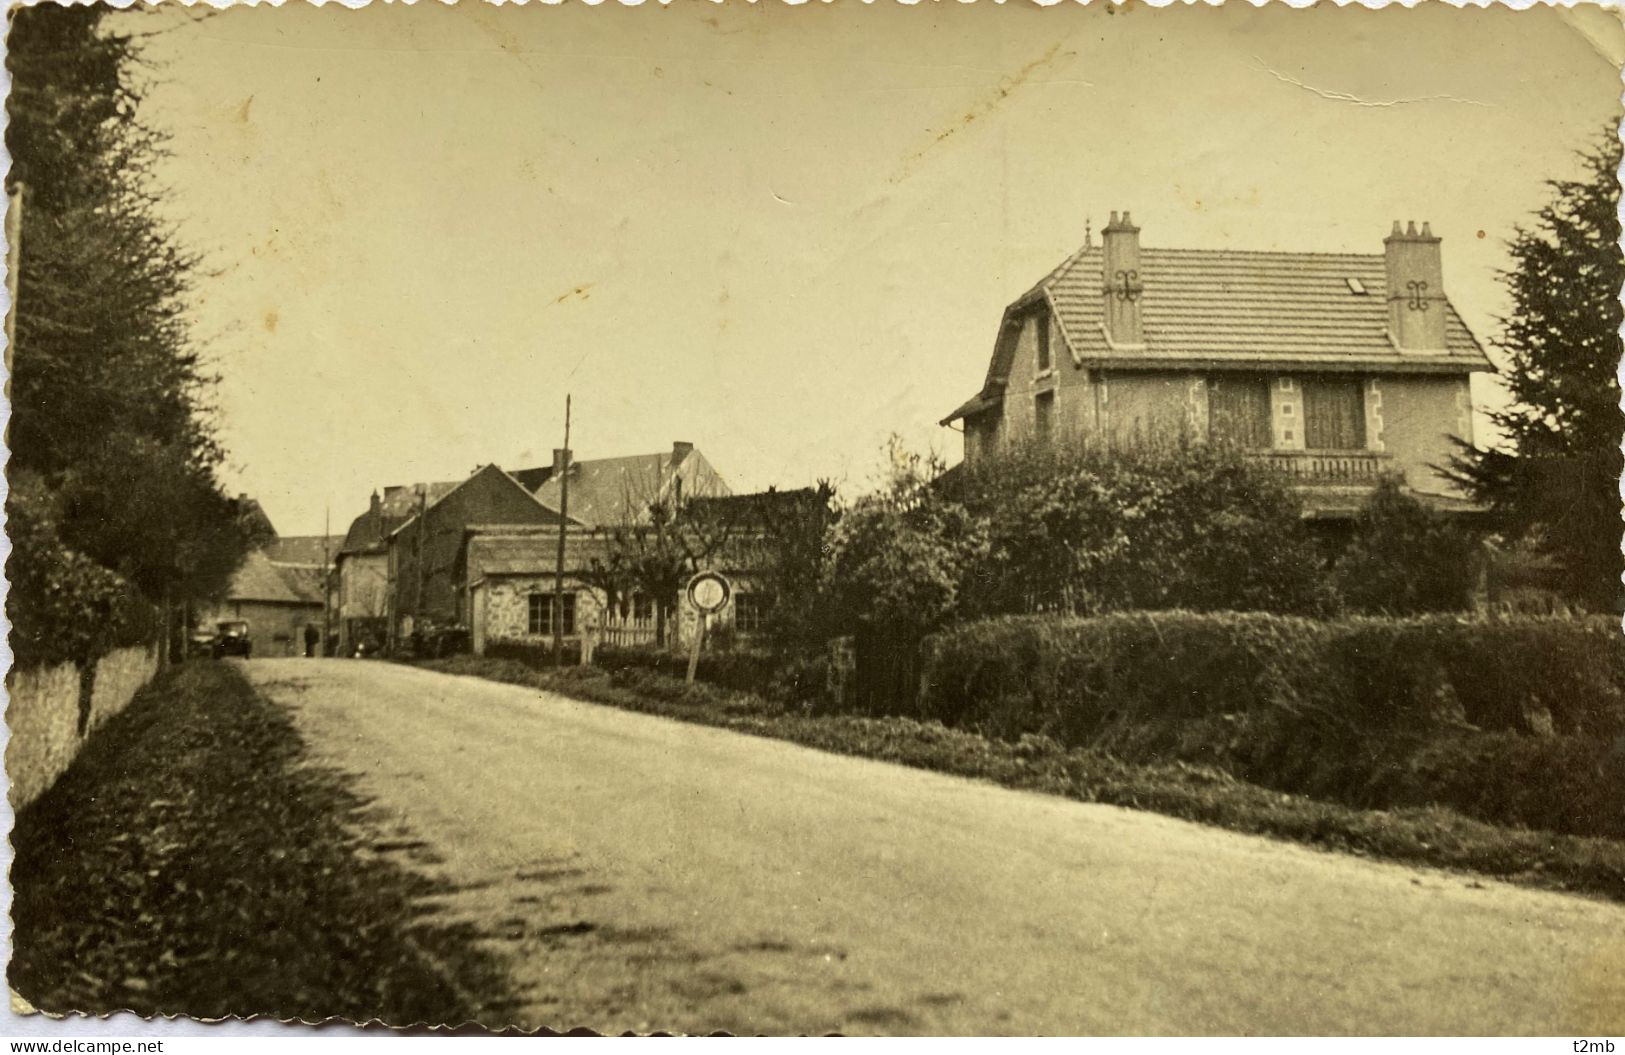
[115,512]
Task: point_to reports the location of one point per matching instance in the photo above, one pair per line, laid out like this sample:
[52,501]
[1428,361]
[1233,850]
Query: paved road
[645,874]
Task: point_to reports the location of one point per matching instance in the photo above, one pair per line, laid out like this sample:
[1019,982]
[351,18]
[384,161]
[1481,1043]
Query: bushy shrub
[1405,559]
[790,677]
[531,654]
[63,605]
[1511,721]
[1152,524]
[900,557]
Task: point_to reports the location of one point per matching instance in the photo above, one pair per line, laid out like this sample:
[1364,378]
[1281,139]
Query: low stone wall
[119,676]
[43,715]
[44,718]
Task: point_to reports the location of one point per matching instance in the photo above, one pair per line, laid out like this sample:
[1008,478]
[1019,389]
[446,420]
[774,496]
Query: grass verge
[1424,836]
[192,862]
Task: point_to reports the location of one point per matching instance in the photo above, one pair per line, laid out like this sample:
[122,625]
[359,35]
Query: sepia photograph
[929,519]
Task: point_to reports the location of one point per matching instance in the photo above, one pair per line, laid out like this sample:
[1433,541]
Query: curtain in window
[1333,414]
[1044,417]
[1238,411]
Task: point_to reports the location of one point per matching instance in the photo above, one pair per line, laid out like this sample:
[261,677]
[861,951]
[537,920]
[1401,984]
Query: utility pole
[422,558]
[327,579]
[564,519]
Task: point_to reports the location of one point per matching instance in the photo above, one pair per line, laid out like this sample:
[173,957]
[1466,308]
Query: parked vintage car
[200,642]
[233,639]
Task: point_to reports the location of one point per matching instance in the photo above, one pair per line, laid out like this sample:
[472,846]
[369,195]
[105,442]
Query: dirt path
[644,874]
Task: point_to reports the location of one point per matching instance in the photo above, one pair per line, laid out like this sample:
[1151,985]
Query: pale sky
[779,233]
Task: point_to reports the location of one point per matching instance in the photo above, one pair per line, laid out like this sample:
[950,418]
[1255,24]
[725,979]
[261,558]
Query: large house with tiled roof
[1335,368]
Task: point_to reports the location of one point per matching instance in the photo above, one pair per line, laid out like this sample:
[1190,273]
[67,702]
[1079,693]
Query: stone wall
[119,676]
[43,715]
[507,607]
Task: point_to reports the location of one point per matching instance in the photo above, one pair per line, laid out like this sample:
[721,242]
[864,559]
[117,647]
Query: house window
[542,609]
[1045,363]
[1044,417]
[750,612]
[1333,414]
[1238,411]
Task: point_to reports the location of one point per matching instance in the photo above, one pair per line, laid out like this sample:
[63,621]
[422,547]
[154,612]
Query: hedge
[1513,721]
[775,675]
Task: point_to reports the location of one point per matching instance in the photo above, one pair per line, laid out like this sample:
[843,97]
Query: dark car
[200,642]
[232,639]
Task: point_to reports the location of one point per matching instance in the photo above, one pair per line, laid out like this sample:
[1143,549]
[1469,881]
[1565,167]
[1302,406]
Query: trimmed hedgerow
[781,676]
[1509,721]
[1425,835]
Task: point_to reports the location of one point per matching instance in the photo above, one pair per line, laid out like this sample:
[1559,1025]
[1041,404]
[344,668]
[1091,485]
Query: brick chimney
[561,459]
[376,503]
[1121,285]
[679,451]
[1415,279]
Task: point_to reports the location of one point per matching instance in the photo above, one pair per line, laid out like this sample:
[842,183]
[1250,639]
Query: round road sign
[709,591]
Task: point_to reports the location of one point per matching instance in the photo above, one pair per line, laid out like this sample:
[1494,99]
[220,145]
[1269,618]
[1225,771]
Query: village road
[640,873]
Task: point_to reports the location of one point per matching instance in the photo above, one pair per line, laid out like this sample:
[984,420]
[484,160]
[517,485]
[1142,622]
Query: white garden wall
[43,715]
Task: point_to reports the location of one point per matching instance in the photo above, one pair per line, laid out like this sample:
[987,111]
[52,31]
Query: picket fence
[626,632]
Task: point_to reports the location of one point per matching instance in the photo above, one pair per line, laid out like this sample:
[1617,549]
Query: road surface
[639,873]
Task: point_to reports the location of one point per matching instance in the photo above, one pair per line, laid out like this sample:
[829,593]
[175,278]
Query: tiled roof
[304,549]
[532,553]
[1230,308]
[259,579]
[369,530]
[610,492]
[757,510]
[1214,304]
[1204,303]
[304,582]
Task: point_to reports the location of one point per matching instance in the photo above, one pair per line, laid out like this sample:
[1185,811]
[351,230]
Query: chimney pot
[1113,222]
[1396,232]
[376,502]
[561,459]
[1414,276]
[1122,287]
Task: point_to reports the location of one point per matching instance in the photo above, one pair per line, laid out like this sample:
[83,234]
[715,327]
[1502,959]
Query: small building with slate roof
[279,600]
[1334,368]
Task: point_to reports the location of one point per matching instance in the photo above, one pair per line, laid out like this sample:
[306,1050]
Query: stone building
[427,558]
[1334,368]
[280,599]
[482,553]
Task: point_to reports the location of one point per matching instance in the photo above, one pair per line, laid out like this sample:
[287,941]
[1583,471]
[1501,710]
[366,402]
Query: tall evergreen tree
[110,426]
[1556,484]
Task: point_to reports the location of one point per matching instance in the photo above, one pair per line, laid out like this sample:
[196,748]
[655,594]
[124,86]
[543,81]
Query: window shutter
[1333,414]
[1239,411]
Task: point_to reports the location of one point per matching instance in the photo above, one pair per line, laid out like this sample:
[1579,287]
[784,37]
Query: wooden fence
[626,632]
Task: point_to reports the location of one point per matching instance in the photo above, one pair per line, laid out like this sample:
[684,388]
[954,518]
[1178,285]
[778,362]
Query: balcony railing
[1327,467]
